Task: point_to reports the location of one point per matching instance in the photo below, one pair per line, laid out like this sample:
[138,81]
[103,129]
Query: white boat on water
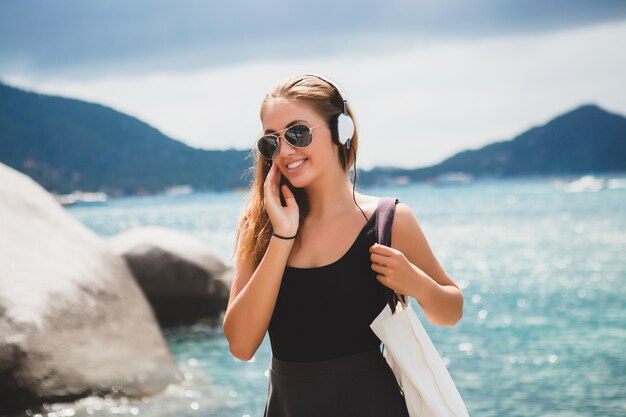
[83,198]
[179,189]
[586,183]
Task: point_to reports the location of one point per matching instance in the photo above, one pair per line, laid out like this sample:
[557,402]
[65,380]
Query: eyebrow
[288,126]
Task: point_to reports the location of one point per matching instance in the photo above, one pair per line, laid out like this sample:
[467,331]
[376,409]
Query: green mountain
[66,144]
[586,140]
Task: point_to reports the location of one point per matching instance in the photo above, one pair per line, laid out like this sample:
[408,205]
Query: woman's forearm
[247,317]
[442,304]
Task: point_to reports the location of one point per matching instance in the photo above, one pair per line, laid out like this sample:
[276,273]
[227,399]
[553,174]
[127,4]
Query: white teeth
[295,164]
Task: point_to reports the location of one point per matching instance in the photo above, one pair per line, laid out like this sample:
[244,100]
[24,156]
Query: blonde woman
[309,270]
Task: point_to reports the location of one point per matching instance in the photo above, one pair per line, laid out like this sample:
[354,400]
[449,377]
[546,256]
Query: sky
[425,78]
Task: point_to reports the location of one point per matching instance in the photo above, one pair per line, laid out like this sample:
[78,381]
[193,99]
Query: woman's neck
[330,196]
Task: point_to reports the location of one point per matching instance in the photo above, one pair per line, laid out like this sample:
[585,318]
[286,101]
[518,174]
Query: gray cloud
[95,37]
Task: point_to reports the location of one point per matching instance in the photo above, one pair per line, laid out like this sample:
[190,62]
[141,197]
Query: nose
[284,148]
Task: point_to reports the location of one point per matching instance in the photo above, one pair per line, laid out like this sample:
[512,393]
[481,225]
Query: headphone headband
[334,84]
[345,126]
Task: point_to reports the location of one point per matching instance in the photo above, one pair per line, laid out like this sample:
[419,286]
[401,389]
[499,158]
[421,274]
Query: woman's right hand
[285,220]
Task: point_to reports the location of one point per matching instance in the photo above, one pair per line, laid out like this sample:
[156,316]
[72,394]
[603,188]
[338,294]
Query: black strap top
[325,312]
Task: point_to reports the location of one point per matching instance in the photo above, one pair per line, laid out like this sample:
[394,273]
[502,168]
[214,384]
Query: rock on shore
[73,320]
[182,278]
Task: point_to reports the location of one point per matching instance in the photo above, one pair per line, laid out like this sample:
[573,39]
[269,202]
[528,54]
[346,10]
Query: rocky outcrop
[73,321]
[182,278]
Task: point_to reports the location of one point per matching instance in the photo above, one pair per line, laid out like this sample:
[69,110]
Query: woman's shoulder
[368,203]
[403,213]
[372,201]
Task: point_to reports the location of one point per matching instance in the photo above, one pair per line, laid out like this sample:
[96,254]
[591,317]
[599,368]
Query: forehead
[279,114]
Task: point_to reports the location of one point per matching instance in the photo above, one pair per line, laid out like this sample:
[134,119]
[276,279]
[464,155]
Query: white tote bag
[427,385]
[429,390]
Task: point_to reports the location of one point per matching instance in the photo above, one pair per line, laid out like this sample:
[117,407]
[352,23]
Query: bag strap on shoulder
[384,219]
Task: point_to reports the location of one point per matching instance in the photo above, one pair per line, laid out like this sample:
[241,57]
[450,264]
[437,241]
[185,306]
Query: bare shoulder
[403,212]
[368,203]
[404,215]
[405,228]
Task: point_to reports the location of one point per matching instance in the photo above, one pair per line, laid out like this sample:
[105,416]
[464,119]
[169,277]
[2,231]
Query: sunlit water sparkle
[542,272]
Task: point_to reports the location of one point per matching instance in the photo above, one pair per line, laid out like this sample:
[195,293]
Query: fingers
[269,178]
[383,264]
[290,200]
[275,173]
[382,257]
[383,280]
[382,249]
[383,270]
[276,176]
[379,259]
[271,182]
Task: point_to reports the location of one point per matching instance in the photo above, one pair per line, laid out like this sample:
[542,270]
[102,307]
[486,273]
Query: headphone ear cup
[345,128]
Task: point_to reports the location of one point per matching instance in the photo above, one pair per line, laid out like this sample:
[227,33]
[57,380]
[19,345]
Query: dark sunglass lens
[267,146]
[299,136]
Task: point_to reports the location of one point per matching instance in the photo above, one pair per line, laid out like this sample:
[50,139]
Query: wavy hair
[254,228]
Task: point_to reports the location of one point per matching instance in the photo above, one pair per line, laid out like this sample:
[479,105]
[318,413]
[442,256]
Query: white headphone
[345,125]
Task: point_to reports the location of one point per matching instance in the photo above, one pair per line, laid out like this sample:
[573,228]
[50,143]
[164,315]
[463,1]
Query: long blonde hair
[255,229]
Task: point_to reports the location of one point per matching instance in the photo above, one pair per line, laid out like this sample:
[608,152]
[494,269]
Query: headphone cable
[354,184]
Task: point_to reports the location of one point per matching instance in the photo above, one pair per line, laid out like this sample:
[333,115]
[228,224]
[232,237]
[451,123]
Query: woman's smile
[296,165]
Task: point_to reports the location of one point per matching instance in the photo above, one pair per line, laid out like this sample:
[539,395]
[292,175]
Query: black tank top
[325,312]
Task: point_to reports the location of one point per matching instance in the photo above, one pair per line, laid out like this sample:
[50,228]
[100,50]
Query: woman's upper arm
[243,272]
[407,236]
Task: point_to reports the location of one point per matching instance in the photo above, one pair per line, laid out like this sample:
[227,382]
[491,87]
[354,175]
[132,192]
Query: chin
[299,182]
[302,180]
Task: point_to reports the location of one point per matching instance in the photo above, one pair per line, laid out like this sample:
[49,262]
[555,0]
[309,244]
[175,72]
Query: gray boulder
[182,278]
[73,321]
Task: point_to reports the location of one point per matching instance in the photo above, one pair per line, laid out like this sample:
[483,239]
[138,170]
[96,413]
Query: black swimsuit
[325,312]
[326,360]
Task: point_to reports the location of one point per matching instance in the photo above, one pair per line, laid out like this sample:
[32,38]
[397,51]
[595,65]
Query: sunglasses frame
[278,137]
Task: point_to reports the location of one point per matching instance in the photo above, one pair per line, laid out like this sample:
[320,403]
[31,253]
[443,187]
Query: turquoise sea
[543,273]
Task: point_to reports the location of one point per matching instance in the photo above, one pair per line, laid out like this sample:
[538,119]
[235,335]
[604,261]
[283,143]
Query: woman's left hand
[394,269]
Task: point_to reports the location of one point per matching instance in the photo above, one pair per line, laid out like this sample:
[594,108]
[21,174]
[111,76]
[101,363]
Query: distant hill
[67,144]
[586,140]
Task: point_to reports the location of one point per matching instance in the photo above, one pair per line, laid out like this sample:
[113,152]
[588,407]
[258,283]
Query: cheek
[325,152]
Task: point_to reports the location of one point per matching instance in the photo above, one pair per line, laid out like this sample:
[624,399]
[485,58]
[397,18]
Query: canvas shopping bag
[429,390]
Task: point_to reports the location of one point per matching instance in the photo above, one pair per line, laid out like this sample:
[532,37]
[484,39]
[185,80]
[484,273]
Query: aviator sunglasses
[299,135]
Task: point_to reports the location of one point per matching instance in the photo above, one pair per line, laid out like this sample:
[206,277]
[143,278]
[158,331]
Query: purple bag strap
[384,219]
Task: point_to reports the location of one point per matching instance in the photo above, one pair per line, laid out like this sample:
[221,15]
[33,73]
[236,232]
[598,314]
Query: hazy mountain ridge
[67,144]
[577,141]
[585,140]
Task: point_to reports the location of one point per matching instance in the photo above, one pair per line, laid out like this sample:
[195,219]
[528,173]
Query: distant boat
[83,198]
[586,183]
[401,180]
[615,183]
[451,178]
[178,190]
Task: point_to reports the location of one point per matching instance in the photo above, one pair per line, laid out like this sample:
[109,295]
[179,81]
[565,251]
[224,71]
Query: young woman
[309,270]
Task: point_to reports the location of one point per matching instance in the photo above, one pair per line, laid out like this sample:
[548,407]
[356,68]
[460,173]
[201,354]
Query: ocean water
[543,273]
